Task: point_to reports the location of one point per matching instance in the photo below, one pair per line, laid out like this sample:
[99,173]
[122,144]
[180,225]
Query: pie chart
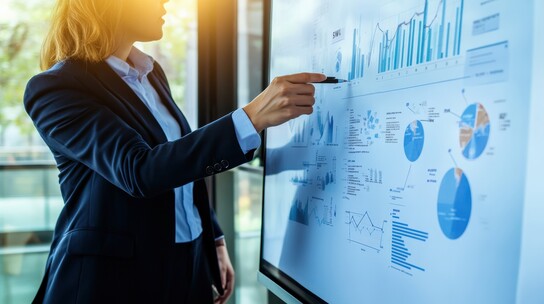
[414,138]
[454,203]
[474,130]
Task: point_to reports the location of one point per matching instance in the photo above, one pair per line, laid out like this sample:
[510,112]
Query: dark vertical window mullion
[217,59]
[217,37]
[266,42]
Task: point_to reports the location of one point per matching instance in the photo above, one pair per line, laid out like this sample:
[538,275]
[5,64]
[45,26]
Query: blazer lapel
[166,98]
[133,103]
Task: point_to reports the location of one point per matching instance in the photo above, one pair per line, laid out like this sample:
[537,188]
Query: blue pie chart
[454,203]
[474,129]
[414,138]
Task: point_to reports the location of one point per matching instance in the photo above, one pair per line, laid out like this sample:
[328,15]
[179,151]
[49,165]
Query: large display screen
[408,183]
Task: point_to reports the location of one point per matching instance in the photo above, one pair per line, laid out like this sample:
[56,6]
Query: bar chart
[424,38]
[402,236]
[358,58]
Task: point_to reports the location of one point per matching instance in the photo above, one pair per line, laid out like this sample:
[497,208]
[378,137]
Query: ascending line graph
[421,38]
[364,231]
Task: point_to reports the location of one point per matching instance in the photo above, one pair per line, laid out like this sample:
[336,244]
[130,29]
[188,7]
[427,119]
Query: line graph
[364,231]
[421,38]
[426,41]
[358,59]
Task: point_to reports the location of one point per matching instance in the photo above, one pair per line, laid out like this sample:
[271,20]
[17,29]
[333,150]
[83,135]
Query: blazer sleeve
[73,123]
[217,231]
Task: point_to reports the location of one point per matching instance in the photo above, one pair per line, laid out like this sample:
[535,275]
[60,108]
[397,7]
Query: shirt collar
[143,64]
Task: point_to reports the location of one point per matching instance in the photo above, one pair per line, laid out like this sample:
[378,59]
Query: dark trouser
[181,275]
[191,259]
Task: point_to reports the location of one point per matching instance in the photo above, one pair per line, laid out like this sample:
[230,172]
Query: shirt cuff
[247,136]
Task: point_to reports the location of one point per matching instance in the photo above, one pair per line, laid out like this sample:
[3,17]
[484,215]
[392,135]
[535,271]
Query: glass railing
[30,202]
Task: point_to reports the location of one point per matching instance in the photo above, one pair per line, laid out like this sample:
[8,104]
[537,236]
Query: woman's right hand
[287,97]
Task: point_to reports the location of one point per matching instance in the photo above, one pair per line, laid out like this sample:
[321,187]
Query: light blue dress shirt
[188,222]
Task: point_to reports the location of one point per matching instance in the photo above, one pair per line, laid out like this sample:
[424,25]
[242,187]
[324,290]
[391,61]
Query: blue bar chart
[400,250]
[358,59]
[423,38]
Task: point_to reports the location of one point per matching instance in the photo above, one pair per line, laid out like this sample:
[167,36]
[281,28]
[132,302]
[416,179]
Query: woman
[136,226]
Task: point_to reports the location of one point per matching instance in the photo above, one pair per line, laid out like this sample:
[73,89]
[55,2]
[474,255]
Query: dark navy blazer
[115,237]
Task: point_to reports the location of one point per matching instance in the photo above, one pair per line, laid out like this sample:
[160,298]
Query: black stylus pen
[332,80]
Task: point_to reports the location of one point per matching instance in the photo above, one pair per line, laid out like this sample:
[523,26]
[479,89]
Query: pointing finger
[304,77]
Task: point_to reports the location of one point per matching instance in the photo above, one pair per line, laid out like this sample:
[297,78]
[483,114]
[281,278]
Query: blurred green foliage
[22,28]
[23,25]
[172,50]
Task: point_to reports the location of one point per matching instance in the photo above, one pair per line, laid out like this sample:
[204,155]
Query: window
[248,199]
[248,180]
[29,195]
[250,50]
[177,54]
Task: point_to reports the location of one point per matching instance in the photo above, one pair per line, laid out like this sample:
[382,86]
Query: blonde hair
[81,29]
